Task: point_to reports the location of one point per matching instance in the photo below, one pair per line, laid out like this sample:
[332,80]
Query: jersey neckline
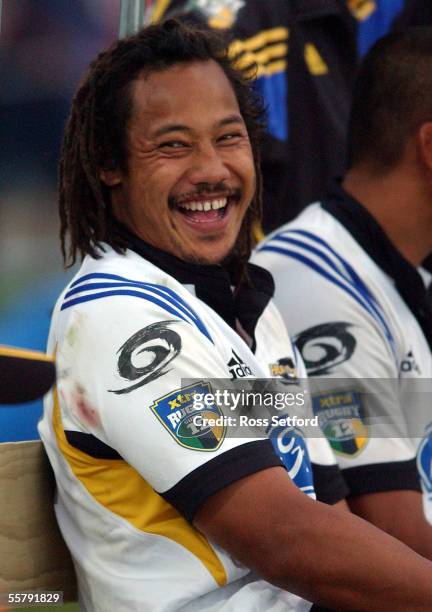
[369,234]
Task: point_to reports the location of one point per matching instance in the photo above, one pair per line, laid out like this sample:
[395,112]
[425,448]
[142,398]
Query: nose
[208,166]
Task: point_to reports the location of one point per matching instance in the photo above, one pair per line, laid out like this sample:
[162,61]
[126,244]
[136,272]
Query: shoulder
[121,311]
[109,290]
[312,239]
[327,286]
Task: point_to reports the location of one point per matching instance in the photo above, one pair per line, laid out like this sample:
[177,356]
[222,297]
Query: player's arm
[399,513]
[260,519]
[382,474]
[322,553]
[329,484]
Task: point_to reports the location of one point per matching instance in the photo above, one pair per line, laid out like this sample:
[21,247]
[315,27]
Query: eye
[230,137]
[173,144]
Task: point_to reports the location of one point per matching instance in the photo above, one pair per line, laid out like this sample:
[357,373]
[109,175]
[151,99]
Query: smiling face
[190,175]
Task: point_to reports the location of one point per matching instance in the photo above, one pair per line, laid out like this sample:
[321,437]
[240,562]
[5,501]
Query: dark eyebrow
[171,127]
[179,127]
[231,119]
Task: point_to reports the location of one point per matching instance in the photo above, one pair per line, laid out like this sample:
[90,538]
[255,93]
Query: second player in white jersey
[350,322]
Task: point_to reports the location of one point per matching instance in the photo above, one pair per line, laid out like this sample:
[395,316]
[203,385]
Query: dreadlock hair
[96,139]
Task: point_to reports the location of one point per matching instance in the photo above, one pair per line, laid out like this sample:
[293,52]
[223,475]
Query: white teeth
[219,203]
[205,206]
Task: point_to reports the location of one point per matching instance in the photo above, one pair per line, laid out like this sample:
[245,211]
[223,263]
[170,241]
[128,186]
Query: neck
[399,201]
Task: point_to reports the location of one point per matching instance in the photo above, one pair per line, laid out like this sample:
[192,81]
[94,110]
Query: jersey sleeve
[329,485]
[131,384]
[348,345]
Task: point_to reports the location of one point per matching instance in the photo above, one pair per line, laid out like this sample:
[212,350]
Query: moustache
[220,189]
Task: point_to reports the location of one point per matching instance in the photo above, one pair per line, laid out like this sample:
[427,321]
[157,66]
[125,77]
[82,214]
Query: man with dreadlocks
[159,187]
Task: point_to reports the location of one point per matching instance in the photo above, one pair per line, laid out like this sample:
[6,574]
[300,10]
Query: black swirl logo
[163,354]
[325,346]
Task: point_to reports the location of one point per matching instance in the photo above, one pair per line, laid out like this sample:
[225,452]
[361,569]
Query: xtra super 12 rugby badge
[190,426]
[341,415]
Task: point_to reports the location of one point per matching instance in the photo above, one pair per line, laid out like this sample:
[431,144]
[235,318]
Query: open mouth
[206,210]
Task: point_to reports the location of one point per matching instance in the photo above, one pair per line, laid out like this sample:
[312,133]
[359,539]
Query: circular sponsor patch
[424,462]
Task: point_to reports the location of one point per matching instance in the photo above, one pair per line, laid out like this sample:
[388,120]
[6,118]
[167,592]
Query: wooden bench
[33,554]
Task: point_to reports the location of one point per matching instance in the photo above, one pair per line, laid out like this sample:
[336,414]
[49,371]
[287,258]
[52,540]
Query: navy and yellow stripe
[375,19]
[263,54]
[120,489]
[264,57]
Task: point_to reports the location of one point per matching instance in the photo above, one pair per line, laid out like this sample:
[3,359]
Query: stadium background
[45,47]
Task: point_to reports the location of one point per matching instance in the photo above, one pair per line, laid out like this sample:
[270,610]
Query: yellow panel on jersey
[159,10]
[314,61]
[119,488]
[362,9]
[259,40]
[257,232]
[261,55]
[249,64]
[273,68]
[255,71]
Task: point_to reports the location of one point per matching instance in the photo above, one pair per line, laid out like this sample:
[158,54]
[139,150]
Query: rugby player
[349,282]
[159,188]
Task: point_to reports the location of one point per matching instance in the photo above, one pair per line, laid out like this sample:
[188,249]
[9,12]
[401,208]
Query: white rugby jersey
[359,310]
[132,466]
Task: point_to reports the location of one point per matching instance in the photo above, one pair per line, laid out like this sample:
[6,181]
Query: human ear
[424,143]
[111,177]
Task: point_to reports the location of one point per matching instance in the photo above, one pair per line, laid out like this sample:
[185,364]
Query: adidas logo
[409,364]
[237,367]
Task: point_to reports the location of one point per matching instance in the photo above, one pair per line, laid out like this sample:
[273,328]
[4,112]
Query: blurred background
[304,76]
[45,46]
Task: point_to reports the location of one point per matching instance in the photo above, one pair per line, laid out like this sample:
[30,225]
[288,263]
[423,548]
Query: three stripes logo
[97,286]
[263,54]
[314,253]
